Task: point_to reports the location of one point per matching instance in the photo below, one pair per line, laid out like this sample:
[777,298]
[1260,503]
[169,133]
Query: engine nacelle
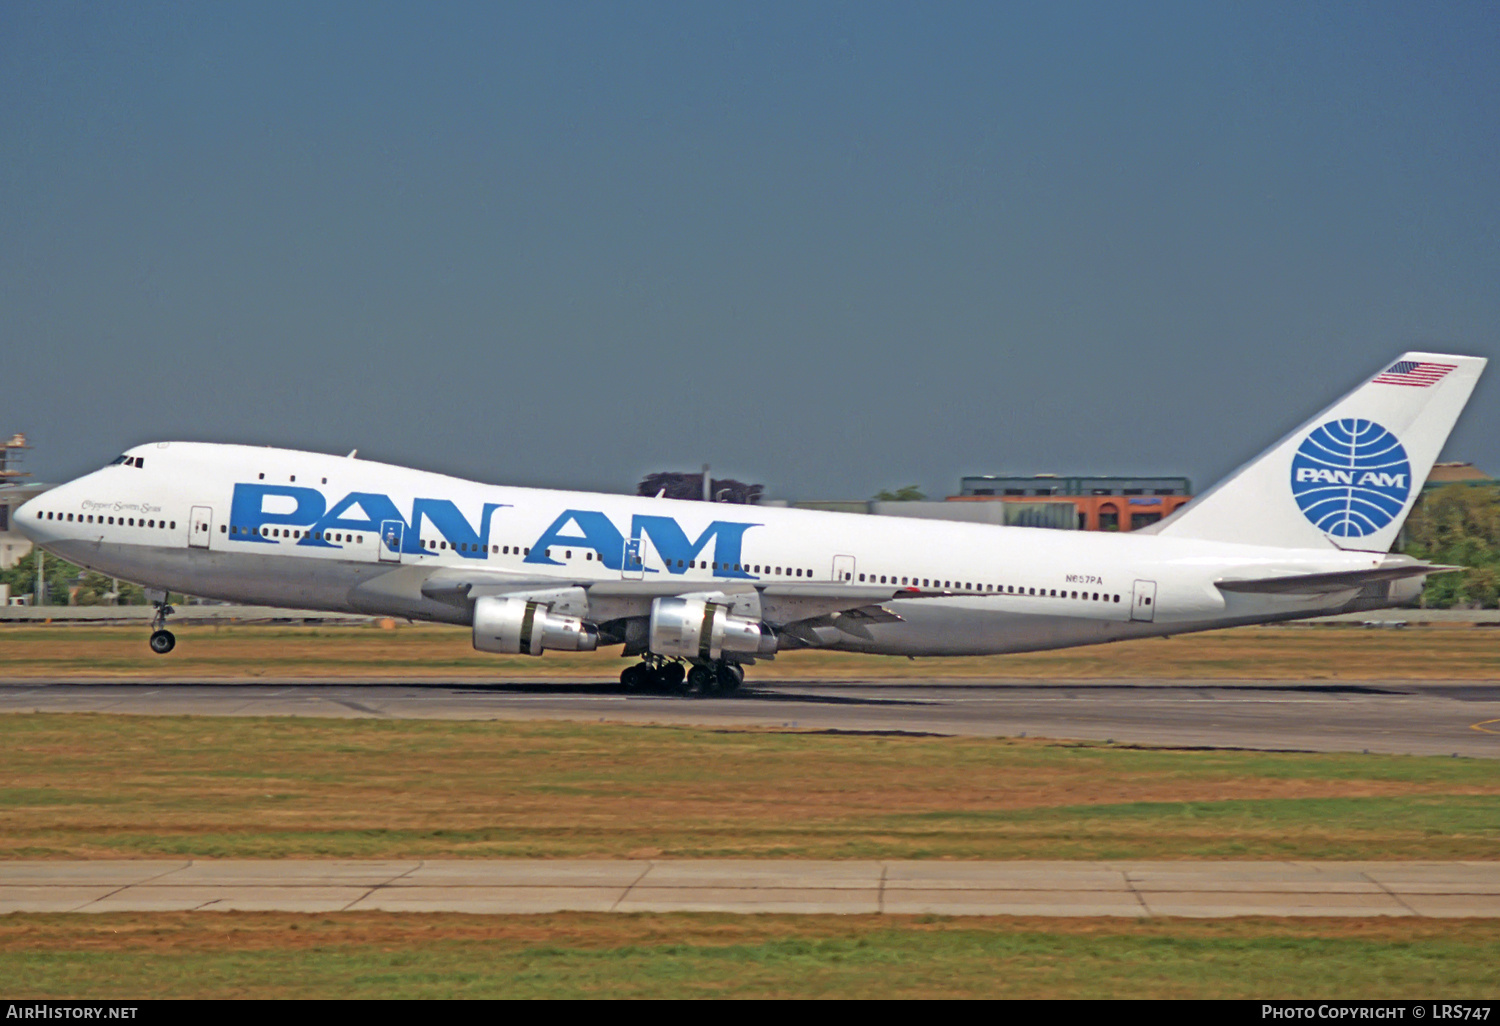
[693,628]
[518,626]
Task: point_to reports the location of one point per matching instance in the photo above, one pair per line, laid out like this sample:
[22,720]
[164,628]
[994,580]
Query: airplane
[699,590]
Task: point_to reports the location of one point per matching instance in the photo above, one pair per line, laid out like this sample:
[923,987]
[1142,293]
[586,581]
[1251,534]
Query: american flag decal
[1411,372]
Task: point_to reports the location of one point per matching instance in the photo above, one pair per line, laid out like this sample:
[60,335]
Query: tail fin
[1348,477]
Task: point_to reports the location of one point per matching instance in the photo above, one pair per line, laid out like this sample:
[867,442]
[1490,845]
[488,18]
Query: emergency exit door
[1143,602]
[201,528]
[392,532]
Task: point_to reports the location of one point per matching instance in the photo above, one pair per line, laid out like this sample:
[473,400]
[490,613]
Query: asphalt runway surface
[1455,718]
[890,887]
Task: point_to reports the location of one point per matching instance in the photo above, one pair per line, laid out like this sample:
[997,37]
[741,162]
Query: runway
[1398,717]
[1134,889]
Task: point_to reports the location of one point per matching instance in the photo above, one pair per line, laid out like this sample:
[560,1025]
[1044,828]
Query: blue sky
[829,247]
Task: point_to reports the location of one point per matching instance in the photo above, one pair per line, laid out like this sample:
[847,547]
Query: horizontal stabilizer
[1341,580]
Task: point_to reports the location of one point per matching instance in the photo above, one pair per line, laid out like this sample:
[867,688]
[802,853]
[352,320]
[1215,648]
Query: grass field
[429,650]
[100,786]
[115,786]
[218,955]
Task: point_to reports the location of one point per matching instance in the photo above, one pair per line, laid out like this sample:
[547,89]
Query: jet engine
[520,626]
[695,628]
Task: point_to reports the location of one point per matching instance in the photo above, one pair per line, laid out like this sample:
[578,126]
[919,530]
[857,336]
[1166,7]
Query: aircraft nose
[23,519]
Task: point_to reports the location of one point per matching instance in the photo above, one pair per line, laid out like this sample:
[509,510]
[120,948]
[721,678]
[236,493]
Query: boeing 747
[698,590]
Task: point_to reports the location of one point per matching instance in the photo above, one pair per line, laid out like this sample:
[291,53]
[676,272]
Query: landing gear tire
[730,677]
[162,640]
[634,677]
[703,680]
[672,676]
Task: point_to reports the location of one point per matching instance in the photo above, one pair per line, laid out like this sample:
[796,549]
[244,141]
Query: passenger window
[222,529]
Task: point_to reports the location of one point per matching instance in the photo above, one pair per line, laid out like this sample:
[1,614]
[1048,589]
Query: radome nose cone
[23,516]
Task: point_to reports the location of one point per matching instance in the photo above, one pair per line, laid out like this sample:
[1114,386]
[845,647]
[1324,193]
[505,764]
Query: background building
[14,490]
[1100,503]
[1043,500]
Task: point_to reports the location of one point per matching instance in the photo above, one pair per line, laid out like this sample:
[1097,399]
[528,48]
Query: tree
[64,580]
[1458,525]
[690,486]
[910,493]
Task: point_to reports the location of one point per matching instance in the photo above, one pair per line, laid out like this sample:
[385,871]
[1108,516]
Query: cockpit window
[129,461]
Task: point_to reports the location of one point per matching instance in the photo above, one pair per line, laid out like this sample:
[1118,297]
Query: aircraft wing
[776,602]
[1339,580]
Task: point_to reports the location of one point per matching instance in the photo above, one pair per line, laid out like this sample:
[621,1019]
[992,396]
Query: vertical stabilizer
[1348,477]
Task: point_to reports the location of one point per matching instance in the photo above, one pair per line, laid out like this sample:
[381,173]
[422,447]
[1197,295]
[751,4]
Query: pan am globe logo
[1351,477]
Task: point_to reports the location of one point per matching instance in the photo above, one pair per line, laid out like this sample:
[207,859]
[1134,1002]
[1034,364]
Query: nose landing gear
[162,640]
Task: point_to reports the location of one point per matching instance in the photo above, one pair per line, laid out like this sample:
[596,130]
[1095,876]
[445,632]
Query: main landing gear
[671,677]
[162,640]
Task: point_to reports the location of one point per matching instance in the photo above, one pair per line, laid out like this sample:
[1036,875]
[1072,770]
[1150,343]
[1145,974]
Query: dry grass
[102,786]
[407,652]
[377,955]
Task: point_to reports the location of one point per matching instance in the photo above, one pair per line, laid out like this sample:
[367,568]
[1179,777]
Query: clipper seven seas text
[697,590]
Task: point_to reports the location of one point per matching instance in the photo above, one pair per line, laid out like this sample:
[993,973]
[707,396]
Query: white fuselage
[307,530]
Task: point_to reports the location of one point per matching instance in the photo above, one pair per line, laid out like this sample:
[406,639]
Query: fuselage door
[843,569]
[201,528]
[1143,604]
[391,533]
[633,565]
